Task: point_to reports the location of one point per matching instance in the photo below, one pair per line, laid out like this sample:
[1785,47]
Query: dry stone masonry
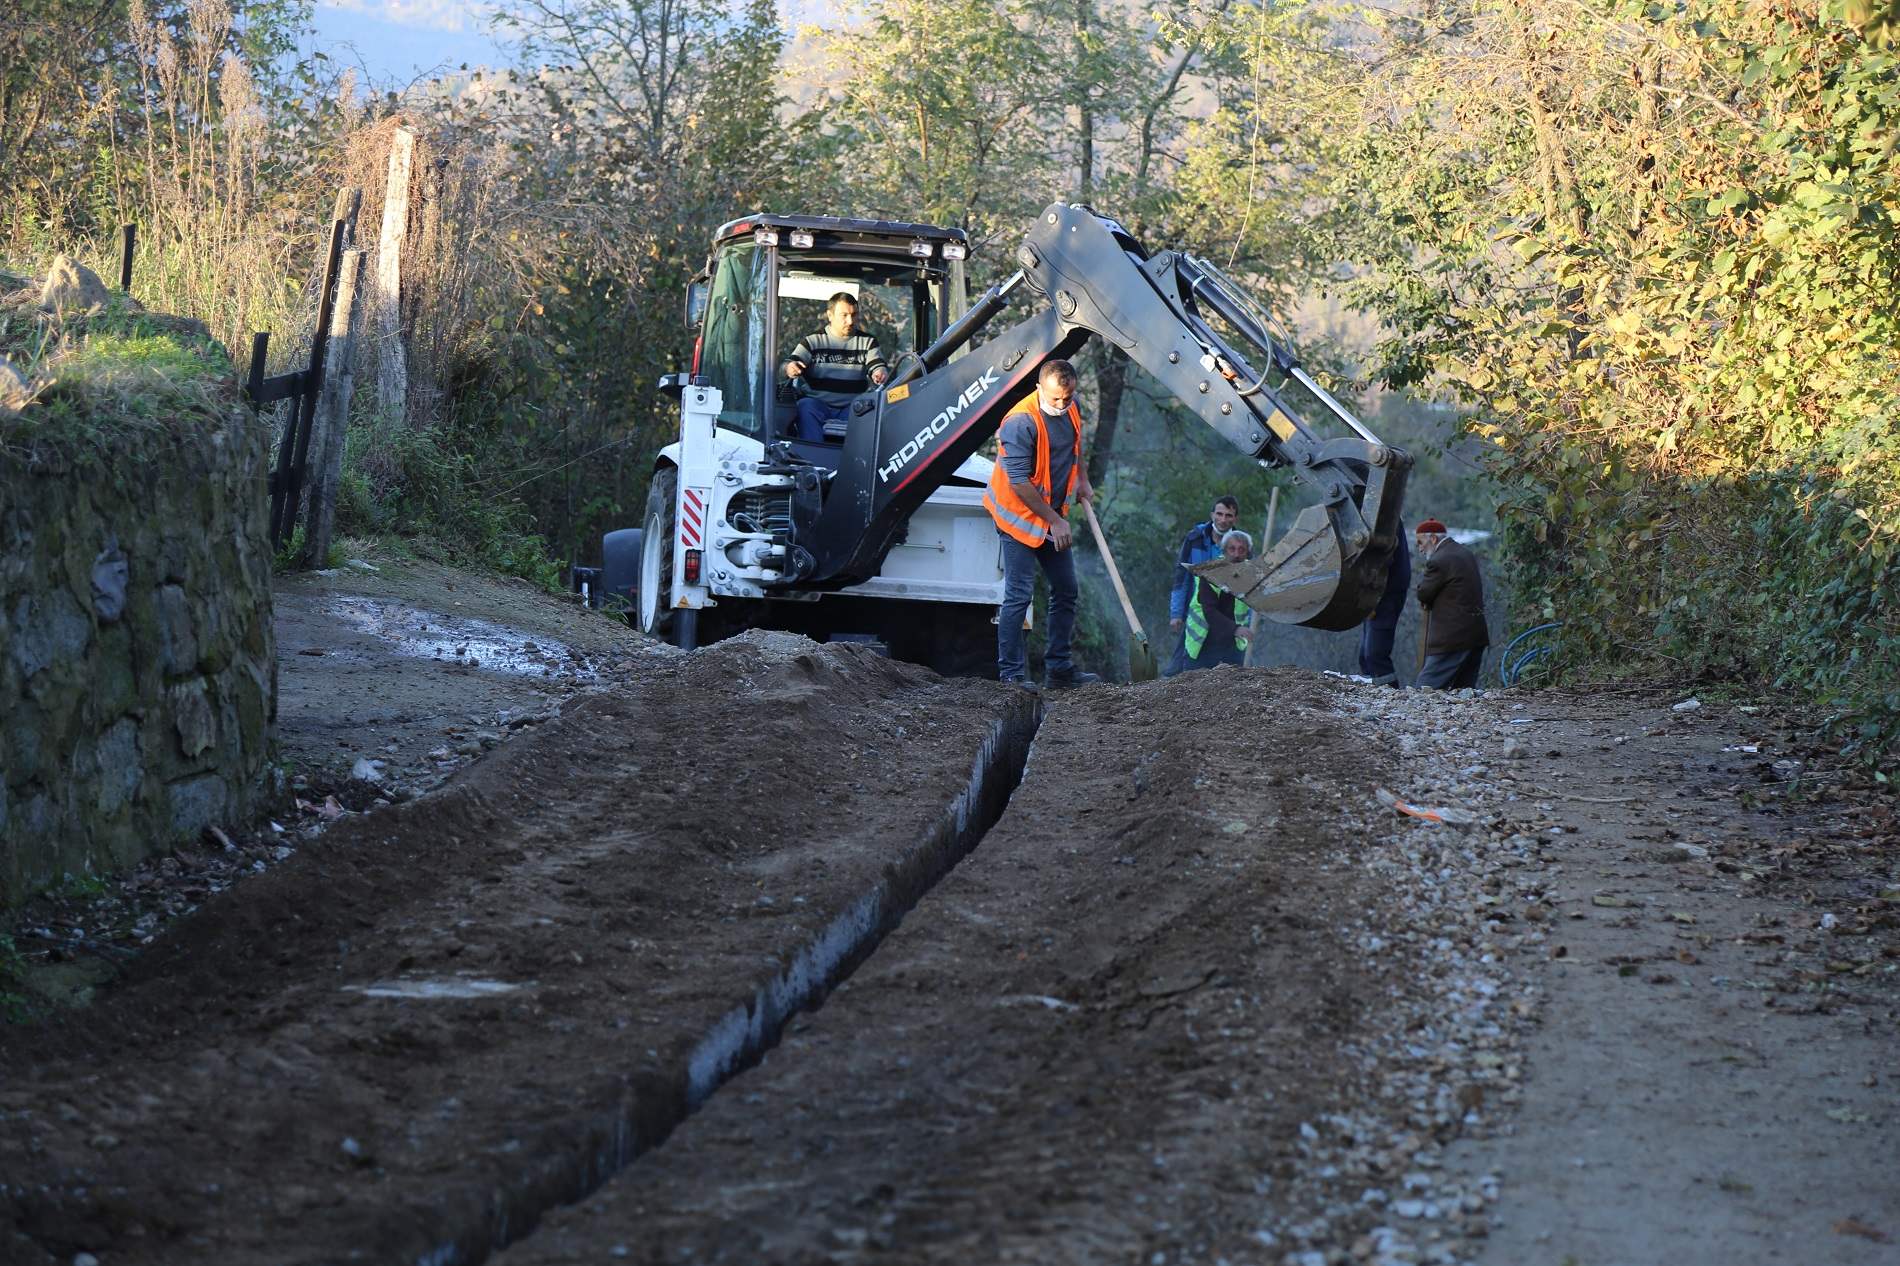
[137,670]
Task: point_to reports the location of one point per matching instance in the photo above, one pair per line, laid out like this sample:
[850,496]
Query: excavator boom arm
[905,441]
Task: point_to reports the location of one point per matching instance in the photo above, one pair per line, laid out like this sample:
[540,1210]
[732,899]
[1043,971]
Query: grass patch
[155,361]
[105,377]
[289,555]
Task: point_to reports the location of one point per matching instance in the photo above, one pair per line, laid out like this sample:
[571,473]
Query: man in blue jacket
[1202,544]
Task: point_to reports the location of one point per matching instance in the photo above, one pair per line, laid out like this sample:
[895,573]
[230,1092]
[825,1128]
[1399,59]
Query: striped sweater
[836,369]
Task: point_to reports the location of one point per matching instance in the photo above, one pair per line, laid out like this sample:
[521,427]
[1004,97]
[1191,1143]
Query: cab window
[733,354]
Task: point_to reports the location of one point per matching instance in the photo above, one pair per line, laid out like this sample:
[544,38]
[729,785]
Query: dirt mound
[1201,993]
[500,984]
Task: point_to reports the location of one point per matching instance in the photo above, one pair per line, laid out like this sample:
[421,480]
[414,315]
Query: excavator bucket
[1310,575]
[1304,580]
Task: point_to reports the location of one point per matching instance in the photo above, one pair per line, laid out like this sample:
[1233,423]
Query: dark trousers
[1178,662]
[813,413]
[1382,626]
[1020,564]
[1454,670]
[1211,658]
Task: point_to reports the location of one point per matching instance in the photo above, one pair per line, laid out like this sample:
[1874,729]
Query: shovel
[1141,656]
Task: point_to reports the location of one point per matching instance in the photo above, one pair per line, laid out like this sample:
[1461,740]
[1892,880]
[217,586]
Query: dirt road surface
[1201,993]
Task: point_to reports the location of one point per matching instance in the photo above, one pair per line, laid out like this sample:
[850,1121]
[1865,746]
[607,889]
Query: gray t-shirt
[1019,451]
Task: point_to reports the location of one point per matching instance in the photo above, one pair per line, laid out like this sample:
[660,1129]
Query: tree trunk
[1085,183]
[1111,383]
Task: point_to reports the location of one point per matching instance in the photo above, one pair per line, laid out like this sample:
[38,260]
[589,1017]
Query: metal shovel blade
[1141,660]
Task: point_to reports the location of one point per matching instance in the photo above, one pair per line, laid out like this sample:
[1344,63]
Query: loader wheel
[655,606]
[619,582]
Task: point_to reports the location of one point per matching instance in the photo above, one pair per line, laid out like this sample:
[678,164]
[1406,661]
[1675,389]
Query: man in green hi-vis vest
[1216,630]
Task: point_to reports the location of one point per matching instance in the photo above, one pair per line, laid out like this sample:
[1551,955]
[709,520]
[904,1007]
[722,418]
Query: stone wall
[137,666]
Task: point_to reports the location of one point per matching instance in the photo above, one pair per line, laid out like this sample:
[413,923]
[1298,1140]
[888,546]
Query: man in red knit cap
[1452,594]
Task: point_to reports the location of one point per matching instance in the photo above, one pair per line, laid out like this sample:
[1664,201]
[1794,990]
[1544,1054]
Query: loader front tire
[656,614]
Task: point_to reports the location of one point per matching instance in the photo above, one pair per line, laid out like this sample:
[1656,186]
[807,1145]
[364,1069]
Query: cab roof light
[955,250]
[765,236]
[801,239]
[921,248]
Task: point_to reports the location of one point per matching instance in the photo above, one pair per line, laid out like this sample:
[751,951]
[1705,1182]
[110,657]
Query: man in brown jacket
[1452,594]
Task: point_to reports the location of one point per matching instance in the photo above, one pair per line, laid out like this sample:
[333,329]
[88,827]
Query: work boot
[1067,681]
[1022,683]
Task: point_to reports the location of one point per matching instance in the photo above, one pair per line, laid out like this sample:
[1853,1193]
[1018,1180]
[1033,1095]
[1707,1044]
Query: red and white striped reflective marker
[692,515]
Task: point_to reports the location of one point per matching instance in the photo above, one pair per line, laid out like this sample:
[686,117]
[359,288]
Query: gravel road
[1255,966]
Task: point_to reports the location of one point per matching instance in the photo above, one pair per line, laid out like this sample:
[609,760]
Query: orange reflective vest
[1011,512]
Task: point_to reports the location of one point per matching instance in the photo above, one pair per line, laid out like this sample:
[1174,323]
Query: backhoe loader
[857,532]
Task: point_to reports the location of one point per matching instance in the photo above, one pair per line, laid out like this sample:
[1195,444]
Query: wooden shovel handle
[1114,575]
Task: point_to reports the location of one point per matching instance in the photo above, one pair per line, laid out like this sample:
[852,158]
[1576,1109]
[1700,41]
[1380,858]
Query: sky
[392,42]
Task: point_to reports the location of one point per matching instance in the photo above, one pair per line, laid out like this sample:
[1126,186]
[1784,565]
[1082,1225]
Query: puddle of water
[458,640]
[434,987]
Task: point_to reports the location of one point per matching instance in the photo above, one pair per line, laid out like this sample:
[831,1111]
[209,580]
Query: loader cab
[766,286]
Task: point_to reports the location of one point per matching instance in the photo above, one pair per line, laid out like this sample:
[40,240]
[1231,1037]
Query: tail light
[692,567]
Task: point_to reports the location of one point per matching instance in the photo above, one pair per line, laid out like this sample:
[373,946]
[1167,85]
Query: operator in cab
[833,367]
[1039,471]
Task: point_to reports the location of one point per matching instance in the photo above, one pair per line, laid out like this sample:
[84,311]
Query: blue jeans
[1019,587]
[1382,626]
[813,413]
[1178,662]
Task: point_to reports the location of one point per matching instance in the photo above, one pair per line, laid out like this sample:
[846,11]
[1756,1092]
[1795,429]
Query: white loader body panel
[952,552]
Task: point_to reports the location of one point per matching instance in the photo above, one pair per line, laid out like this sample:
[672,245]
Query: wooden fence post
[293,452]
[329,424]
[128,243]
[332,422]
[392,373]
[349,201]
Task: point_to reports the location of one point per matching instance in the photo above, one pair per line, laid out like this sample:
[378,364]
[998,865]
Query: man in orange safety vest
[1039,473]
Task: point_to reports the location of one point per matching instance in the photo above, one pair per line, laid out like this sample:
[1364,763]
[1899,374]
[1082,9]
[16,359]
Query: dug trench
[1201,994]
[1105,1037]
[445,1017]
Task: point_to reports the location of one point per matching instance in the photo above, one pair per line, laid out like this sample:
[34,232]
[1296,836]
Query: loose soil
[577,910]
[392,675]
[1203,994]
[1096,1042]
